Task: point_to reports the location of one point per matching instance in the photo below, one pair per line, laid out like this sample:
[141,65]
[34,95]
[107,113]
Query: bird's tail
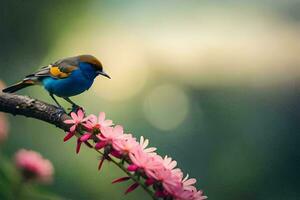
[18,86]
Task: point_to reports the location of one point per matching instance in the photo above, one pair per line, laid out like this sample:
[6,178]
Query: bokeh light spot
[166,107]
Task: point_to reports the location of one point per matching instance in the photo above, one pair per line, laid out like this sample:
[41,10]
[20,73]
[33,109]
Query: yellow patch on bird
[54,71]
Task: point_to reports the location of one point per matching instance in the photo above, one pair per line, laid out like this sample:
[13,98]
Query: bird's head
[94,63]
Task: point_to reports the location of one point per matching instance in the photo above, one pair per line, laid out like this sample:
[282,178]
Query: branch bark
[29,107]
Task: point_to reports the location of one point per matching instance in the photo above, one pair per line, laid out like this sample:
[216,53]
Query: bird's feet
[60,111]
[75,109]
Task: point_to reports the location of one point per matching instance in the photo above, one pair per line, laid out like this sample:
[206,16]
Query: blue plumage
[64,78]
[81,79]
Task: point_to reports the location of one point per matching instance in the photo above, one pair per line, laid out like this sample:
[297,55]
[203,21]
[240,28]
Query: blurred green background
[213,84]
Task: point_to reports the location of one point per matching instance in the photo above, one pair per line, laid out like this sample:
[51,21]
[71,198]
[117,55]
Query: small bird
[64,78]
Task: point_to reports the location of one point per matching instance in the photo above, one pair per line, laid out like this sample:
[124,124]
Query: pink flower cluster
[160,173]
[34,166]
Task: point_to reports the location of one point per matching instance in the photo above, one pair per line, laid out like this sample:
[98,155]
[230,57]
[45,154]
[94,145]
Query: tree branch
[29,107]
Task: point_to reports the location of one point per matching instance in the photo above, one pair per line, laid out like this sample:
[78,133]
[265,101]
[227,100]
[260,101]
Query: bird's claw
[60,111]
[75,109]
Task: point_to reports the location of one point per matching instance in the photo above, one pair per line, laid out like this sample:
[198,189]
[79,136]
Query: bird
[64,78]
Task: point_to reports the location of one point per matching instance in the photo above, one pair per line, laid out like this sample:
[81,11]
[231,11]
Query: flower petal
[107,123]
[88,125]
[149,181]
[132,168]
[69,121]
[142,140]
[85,119]
[68,136]
[74,116]
[78,145]
[91,119]
[101,163]
[161,194]
[80,114]
[172,164]
[185,178]
[101,117]
[73,128]
[121,179]
[116,154]
[85,137]
[146,143]
[131,188]
[150,150]
[118,129]
[190,181]
[100,145]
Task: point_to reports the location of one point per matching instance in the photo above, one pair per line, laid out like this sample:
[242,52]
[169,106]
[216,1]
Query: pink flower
[68,136]
[187,190]
[85,137]
[170,182]
[182,194]
[109,135]
[170,164]
[122,179]
[126,144]
[144,143]
[143,161]
[34,166]
[188,183]
[94,123]
[78,146]
[132,187]
[198,195]
[76,119]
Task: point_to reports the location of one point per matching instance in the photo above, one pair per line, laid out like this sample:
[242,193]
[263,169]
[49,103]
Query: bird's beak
[103,73]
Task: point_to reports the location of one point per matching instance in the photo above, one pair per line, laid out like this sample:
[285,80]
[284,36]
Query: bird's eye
[97,67]
[94,66]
